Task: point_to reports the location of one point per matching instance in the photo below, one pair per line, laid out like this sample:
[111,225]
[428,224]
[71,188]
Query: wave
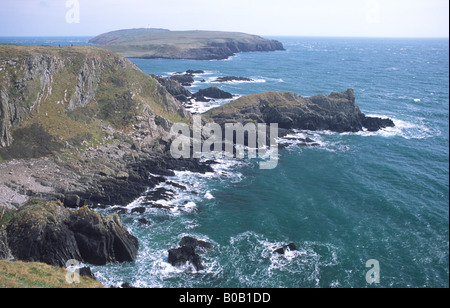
[198,107]
[313,139]
[257,265]
[322,139]
[405,129]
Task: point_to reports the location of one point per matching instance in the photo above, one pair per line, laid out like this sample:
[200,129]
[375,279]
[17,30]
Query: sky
[348,18]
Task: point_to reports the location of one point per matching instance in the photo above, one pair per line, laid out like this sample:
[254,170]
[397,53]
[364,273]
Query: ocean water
[352,198]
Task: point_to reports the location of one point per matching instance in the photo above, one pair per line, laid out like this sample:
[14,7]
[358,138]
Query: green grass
[38,275]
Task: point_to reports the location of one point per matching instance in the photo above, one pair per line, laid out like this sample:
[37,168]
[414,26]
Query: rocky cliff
[53,234]
[82,125]
[79,126]
[336,112]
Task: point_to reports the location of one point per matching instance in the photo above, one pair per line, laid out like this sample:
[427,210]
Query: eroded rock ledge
[337,112]
[50,233]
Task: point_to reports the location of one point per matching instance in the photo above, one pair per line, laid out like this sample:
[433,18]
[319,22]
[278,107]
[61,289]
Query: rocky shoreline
[101,137]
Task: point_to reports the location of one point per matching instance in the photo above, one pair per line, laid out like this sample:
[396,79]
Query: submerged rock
[186,253]
[232,78]
[284,249]
[190,241]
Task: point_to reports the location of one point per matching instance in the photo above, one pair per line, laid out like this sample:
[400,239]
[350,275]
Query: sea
[358,206]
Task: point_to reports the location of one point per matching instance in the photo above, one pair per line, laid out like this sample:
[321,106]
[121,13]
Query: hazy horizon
[321,18]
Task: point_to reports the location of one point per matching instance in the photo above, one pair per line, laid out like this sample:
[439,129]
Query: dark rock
[202,99]
[139,210]
[127,285]
[183,79]
[159,194]
[186,254]
[73,201]
[87,272]
[336,112]
[144,221]
[232,78]
[195,72]
[284,249]
[375,124]
[212,92]
[52,234]
[174,184]
[190,241]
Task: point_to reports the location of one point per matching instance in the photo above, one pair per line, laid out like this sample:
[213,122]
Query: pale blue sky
[364,18]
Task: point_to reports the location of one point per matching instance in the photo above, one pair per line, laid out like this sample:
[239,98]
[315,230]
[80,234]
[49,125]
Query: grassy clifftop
[53,98]
[197,45]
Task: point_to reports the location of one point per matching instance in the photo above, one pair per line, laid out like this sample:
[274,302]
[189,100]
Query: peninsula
[193,45]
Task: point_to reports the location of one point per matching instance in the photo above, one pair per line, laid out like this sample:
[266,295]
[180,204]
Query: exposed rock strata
[336,112]
[52,234]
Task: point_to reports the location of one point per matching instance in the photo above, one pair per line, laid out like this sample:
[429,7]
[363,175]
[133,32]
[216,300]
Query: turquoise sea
[353,198]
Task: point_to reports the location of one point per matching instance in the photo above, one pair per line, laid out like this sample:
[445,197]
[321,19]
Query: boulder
[190,241]
[50,233]
[186,254]
[373,124]
[212,92]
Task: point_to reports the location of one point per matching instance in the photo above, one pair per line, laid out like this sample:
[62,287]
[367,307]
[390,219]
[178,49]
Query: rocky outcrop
[185,80]
[212,92]
[186,253]
[81,125]
[336,112]
[52,234]
[232,79]
[175,88]
[287,248]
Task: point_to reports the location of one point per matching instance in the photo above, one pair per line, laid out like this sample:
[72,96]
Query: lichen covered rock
[52,234]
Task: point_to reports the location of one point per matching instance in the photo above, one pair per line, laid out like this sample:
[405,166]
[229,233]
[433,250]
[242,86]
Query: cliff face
[70,93]
[80,124]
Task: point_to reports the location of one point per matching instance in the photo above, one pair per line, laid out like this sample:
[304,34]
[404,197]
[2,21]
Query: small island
[192,45]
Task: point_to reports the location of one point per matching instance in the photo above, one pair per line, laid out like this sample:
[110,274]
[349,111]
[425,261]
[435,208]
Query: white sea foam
[405,129]
[208,195]
[415,129]
[198,107]
[305,264]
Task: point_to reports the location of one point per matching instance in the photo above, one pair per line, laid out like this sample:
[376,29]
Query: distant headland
[193,45]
